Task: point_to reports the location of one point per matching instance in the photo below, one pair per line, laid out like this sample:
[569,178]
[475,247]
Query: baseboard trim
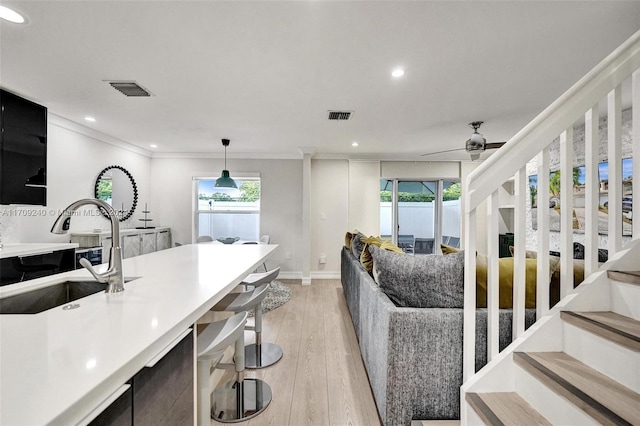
[316,275]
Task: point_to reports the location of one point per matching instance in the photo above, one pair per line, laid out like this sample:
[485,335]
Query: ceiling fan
[475,145]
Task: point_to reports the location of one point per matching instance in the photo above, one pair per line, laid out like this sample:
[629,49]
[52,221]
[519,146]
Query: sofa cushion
[357,244]
[429,281]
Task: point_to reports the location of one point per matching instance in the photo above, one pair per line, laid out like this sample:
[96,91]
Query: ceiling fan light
[477,138]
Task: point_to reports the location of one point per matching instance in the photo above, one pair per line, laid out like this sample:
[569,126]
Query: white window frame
[195,204]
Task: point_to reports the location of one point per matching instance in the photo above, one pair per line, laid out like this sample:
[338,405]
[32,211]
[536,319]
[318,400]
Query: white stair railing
[579,103]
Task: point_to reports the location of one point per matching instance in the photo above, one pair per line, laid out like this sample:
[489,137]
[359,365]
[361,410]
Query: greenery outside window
[228,212]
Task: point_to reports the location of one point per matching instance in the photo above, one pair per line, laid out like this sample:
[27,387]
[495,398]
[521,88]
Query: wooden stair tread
[604,399]
[504,408]
[630,277]
[610,325]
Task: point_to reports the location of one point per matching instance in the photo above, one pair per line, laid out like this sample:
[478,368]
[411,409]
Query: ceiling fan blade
[440,152]
[493,145]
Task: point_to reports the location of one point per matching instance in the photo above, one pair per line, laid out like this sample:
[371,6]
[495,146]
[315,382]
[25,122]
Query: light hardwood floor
[321,379]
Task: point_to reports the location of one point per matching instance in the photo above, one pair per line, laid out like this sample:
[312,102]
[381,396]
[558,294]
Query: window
[228,212]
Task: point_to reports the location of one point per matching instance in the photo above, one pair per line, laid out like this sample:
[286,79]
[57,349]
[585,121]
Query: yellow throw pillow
[365,258]
[529,254]
[389,246]
[505,280]
[448,249]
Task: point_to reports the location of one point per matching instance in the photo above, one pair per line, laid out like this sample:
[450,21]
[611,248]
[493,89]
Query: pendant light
[225,181]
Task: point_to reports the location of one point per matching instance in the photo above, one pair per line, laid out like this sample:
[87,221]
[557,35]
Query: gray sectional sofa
[413,356]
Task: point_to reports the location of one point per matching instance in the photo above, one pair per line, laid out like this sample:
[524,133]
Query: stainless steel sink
[43,299]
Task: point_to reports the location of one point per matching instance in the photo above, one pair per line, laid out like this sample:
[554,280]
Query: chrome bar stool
[237,400]
[259,354]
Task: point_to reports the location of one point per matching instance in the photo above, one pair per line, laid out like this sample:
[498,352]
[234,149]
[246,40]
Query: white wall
[281,199]
[74,161]
[329,213]
[364,196]
[420,169]
[481,223]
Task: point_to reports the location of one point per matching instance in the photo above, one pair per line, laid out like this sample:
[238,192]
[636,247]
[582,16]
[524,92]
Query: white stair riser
[473,419]
[555,408]
[625,299]
[609,358]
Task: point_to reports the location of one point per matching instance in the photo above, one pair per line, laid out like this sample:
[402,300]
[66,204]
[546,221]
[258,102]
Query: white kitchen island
[58,366]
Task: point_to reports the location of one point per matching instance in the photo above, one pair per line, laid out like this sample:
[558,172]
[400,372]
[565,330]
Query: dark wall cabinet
[23,151]
[21,268]
[160,394]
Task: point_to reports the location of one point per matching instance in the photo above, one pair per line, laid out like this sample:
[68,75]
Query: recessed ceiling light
[153,145]
[90,119]
[11,15]
[354,144]
[398,72]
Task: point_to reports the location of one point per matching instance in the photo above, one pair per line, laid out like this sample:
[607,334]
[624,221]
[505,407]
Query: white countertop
[30,249]
[57,366]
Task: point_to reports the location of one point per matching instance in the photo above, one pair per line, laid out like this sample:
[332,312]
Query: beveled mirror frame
[134,202]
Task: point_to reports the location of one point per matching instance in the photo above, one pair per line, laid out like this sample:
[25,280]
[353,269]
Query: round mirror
[116,187]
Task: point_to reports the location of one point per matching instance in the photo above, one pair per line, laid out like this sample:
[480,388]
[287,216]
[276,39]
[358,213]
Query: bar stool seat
[257,355]
[239,399]
[258,278]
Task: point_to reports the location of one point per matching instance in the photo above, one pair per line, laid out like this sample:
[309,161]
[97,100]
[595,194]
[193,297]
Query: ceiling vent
[339,115]
[129,88]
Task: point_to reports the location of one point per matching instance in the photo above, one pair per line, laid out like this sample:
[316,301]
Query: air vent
[339,115]
[129,88]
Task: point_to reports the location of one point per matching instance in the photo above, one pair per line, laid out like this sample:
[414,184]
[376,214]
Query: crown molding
[236,155]
[67,124]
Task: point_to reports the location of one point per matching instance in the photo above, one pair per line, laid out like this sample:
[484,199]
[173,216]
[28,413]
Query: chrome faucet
[113,275]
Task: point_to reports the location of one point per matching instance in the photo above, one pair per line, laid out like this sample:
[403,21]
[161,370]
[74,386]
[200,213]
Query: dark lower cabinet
[22,268]
[163,393]
[119,413]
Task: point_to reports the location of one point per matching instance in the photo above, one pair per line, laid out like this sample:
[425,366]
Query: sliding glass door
[418,214]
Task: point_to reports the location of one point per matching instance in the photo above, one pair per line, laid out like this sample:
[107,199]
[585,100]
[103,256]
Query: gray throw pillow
[427,281]
[357,244]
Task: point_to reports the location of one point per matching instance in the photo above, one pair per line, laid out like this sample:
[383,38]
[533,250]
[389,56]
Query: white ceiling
[264,74]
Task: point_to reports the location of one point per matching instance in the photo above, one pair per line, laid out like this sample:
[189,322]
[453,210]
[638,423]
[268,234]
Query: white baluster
[614,110]
[566,212]
[542,287]
[469,316]
[635,98]
[592,190]
[492,275]
[519,271]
